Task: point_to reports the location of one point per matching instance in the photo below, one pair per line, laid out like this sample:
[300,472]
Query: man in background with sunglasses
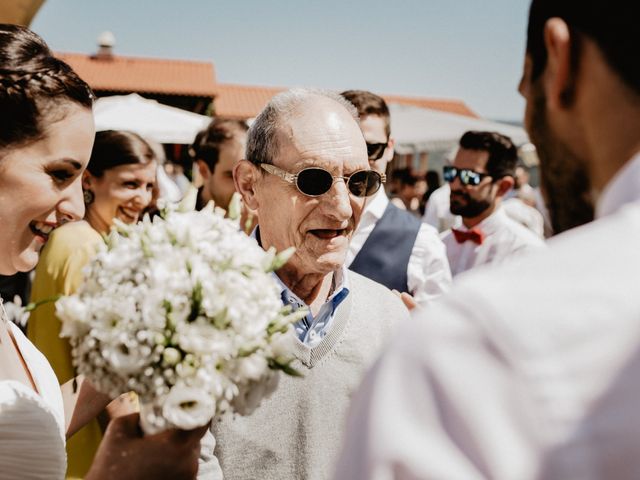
[481,174]
[390,245]
[307,175]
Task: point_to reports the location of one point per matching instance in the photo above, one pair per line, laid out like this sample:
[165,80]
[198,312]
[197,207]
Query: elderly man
[533,370]
[308,176]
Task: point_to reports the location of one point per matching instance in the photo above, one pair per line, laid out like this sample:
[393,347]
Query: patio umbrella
[148,118]
[423,130]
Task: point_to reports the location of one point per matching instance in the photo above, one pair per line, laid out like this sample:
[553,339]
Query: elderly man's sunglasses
[375,150]
[466,176]
[315,181]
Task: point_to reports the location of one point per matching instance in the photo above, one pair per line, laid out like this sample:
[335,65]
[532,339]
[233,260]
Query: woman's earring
[88,196]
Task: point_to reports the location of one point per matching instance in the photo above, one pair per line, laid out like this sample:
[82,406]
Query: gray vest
[384,257]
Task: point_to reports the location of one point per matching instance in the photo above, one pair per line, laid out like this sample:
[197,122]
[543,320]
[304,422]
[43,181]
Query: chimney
[106,42]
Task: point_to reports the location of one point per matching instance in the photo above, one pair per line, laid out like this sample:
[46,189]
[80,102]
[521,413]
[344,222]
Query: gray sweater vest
[297,433]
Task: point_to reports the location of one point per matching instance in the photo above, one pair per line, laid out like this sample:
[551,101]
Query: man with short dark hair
[392,246]
[480,176]
[215,151]
[532,371]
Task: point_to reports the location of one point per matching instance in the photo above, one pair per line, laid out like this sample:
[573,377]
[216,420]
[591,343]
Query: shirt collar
[490,224]
[339,292]
[622,189]
[377,205]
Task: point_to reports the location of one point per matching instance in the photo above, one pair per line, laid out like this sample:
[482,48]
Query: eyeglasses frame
[293,177]
[457,175]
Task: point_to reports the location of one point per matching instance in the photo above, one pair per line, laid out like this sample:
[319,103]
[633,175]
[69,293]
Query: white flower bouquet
[17,313]
[184,311]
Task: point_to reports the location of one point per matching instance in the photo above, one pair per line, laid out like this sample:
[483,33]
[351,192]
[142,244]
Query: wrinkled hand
[407,299]
[125,453]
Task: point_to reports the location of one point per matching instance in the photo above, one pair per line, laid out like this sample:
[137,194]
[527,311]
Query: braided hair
[33,85]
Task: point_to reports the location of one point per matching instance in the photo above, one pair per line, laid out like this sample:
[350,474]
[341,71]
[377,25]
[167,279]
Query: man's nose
[456,184]
[337,201]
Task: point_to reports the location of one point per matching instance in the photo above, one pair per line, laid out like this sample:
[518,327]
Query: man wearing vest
[481,174]
[392,246]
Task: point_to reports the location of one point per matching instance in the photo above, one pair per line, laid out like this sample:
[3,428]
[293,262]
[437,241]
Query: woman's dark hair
[33,85]
[206,146]
[113,148]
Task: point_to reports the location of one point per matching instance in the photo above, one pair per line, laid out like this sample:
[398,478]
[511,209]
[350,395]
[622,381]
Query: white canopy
[423,130]
[148,118]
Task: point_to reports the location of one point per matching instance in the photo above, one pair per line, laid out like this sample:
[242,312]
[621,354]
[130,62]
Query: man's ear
[205,173]
[559,76]
[504,185]
[245,177]
[390,146]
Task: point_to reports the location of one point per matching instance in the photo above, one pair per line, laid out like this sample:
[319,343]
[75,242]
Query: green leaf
[285,367]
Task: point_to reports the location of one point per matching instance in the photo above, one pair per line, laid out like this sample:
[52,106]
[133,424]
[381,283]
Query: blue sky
[466,49]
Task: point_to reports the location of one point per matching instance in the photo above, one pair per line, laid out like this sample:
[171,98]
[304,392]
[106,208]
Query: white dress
[32,428]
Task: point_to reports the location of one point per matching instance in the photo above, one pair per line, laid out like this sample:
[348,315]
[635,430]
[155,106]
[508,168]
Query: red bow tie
[475,235]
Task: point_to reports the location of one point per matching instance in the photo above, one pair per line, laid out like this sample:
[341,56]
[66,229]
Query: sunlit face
[323,134]
[219,183]
[563,175]
[123,192]
[469,201]
[374,131]
[40,187]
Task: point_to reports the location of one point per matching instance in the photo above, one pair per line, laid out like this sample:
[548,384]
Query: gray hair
[262,138]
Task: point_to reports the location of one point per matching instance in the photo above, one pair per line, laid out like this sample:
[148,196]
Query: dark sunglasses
[466,176]
[375,150]
[315,181]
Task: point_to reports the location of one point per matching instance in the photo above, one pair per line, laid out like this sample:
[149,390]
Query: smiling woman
[46,134]
[119,183]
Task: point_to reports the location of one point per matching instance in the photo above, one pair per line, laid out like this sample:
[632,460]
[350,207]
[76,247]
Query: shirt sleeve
[428,272]
[441,403]
[431,214]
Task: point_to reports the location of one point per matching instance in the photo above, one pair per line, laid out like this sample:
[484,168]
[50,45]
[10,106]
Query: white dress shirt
[503,237]
[428,274]
[528,371]
[525,215]
[438,213]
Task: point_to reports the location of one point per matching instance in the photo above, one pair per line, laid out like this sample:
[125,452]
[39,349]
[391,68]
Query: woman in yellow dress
[119,183]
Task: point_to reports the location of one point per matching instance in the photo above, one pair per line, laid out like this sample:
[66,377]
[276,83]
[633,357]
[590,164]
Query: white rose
[123,359]
[73,313]
[202,339]
[252,367]
[188,407]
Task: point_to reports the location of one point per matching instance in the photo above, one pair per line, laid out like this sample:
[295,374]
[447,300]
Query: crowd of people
[444,334]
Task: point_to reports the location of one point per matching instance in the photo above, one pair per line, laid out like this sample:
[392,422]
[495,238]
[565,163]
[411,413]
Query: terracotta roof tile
[443,105]
[144,75]
[244,101]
